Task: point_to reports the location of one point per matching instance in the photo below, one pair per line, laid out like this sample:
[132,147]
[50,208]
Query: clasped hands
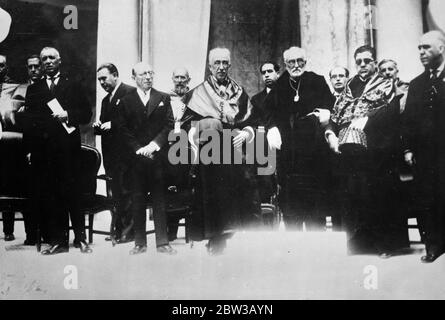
[242,136]
[106,126]
[149,150]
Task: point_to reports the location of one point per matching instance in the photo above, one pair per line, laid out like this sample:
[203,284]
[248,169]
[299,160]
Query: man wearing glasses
[145,119]
[291,110]
[364,132]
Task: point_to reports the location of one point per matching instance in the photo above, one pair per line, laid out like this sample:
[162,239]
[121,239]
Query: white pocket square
[161,104]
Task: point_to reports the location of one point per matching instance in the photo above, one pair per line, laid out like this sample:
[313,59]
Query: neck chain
[297,95]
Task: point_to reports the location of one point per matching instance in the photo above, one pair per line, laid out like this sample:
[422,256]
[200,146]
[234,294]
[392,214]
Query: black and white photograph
[222,154]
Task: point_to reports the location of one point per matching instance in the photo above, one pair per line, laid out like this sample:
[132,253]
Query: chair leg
[186,231]
[90,228]
[39,240]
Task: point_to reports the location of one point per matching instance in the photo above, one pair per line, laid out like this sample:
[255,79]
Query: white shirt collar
[268,90]
[145,96]
[56,76]
[56,79]
[440,69]
[115,89]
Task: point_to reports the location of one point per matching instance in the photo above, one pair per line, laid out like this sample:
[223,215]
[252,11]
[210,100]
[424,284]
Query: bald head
[181,79]
[143,76]
[432,48]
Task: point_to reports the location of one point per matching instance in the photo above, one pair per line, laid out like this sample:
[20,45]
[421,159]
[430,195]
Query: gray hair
[215,51]
[294,51]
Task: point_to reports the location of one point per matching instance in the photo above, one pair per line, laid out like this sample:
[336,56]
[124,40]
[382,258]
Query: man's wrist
[328,134]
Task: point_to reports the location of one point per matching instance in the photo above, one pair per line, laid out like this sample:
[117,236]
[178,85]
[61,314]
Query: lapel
[117,95]
[60,87]
[138,105]
[155,99]
[264,95]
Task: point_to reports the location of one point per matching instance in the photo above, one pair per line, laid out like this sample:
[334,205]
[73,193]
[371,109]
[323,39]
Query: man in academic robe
[227,195]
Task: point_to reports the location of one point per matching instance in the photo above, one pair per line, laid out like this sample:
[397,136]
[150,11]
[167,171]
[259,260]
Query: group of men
[339,149]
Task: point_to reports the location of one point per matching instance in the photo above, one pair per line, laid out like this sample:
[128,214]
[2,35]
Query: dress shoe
[55,249]
[138,249]
[83,246]
[166,249]
[9,237]
[29,242]
[385,255]
[125,239]
[216,246]
[172,237]
[108,238]
[429,257]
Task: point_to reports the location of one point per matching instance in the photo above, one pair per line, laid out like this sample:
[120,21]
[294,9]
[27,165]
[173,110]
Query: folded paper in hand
[55,107]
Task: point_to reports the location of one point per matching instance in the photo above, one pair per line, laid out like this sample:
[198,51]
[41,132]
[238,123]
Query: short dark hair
[365,48]
[110,67]
[346,71]
[33,56]
[276,67]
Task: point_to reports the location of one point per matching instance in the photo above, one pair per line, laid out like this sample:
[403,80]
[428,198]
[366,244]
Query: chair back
[90,160]
[14,167]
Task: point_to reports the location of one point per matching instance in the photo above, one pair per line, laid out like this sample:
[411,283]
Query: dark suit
[423,134]
[55,154]
[138,125]
[301,161]
[258,101]
[266,183]
[112,154]
[16,166]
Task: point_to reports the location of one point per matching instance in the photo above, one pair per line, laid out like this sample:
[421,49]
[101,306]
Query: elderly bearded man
[229,195]
[290,110]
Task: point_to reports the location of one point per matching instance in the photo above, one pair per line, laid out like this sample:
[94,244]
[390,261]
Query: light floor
[256,265]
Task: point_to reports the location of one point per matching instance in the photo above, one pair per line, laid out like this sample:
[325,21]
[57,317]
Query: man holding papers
[55,107]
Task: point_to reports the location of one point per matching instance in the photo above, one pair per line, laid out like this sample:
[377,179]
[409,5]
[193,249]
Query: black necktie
[434,74]
[52,86]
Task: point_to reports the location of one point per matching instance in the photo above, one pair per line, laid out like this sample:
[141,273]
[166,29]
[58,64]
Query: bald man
[424,141]
[55,151]
[145,119]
